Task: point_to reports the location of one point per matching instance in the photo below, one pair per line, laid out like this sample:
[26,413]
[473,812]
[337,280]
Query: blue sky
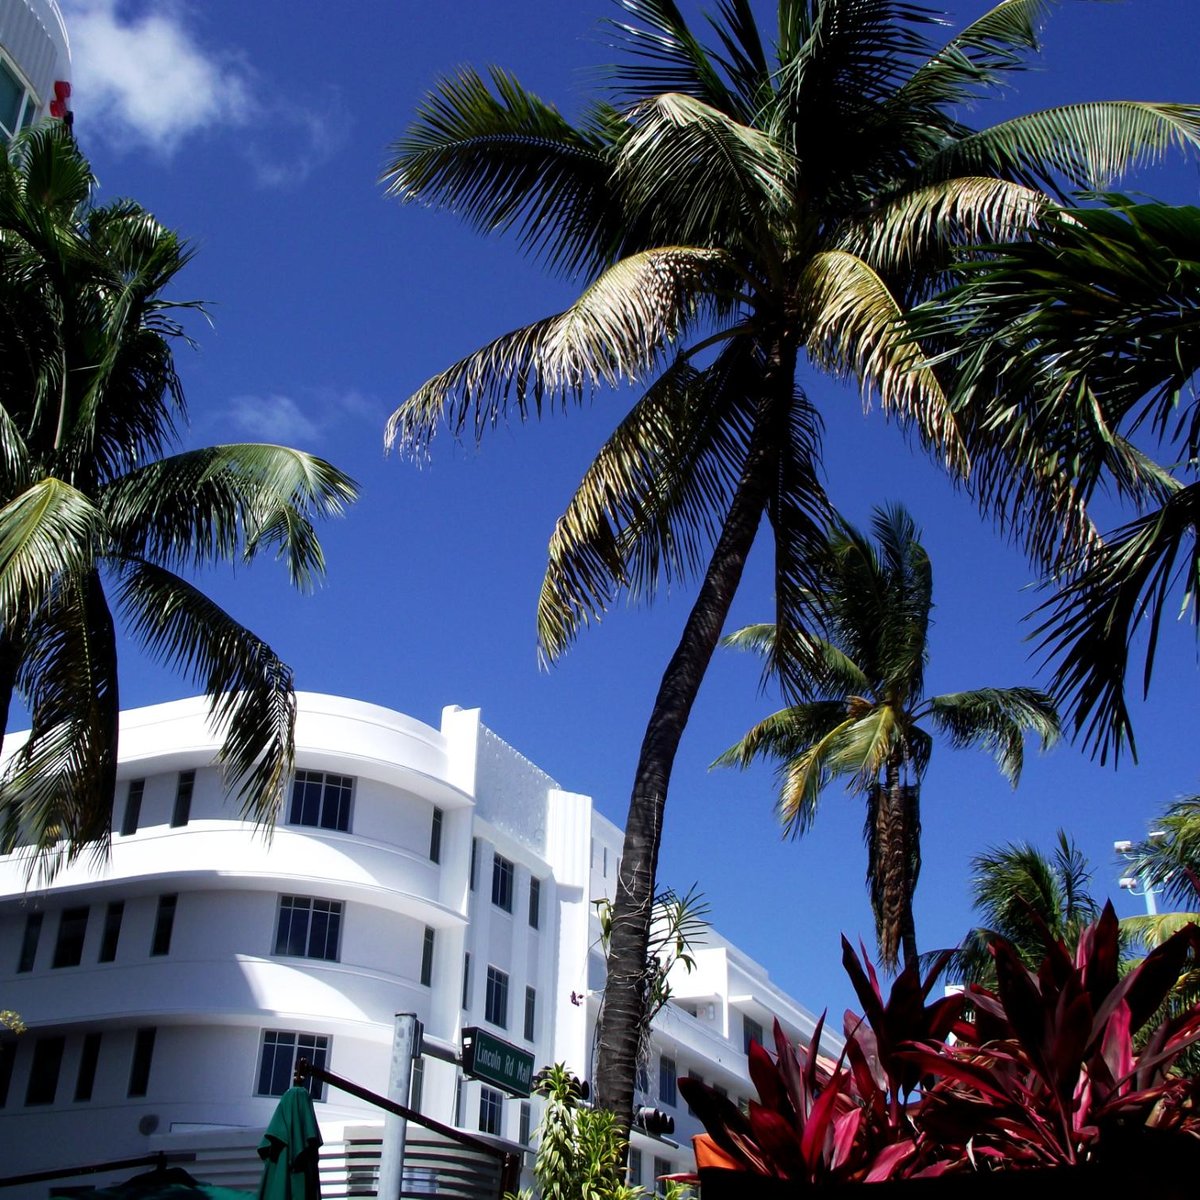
[259,131]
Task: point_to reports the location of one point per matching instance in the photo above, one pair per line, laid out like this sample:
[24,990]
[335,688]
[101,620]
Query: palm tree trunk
[893,869]
[623,1013]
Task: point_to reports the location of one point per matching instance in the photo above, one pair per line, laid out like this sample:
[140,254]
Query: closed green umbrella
[289,1150]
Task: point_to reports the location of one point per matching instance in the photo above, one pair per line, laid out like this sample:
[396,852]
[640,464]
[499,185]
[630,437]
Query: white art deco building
[169,990]
[35,64]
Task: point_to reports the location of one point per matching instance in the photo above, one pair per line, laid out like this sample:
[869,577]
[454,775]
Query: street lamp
[1131,883]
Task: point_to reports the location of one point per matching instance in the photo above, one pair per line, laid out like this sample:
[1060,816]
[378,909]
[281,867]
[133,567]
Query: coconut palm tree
[1071,342]
[860,712]
[1024,896]
[92,507]
[733,210]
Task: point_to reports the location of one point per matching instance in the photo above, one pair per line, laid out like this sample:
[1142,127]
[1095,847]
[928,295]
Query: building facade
[35,65]
[169,990]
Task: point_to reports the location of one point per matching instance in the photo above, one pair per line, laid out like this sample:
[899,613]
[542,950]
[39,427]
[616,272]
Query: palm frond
[854,329]
[998,720]
[1151,930]
[48,530]
[251,697]
[506,160]
[616,330]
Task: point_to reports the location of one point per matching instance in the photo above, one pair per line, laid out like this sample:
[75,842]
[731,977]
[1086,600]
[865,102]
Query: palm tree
[859,709]
[90,401]
[734,211]
[1071,343]
[1023,896]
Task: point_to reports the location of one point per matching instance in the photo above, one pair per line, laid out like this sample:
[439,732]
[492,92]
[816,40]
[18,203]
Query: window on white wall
[164,925]
[181,814]
[502,883]
[495,1007]
[491,1110]
[280,1052]
[752,1031]
[666,1081]
[321,801]
[535,903]
[72,929]
[309,928]
[29,942]
[133,807]
[427,957]
[474,861]
[530,1013]
[435,836]
[466,996]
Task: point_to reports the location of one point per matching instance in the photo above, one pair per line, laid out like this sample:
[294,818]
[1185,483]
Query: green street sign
[492,1060]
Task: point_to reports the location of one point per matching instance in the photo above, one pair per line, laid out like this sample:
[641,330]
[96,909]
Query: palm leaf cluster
[94,509]
[738,203]
[860,714]
[1077,348]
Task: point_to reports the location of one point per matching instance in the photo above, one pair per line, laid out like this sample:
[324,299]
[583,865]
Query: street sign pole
[406,1045]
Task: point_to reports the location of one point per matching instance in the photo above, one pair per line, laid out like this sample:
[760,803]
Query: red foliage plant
[1041,1072]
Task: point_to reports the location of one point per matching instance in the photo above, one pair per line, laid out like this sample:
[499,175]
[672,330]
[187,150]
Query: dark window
[635,1167]
[182,812]
[143,1056]
[417,1087]
[43,1071]
[530,1013]
[491,1110]
[164,923]
[427,957]
[72,929]
[474,861]
[29,941]
[133,807]
[459,1101]
[88,1058]
[666,1081]
[277,1063]
[502,883]
[662,1166]
[321,801]
[112,931]
[8,1056]
[309,928]
[435,837]
[466,997]
[535,903]
[752,1031]
[643,1078]
[523,1129]
[495,1008]
[699,1079]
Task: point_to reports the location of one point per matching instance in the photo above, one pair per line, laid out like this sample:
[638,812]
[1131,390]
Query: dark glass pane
[90,1056]
[29,942]
[112,931]
[8,1056]
[164,924]
[133,807]
[72,929]
[183,798]
[43,1072]
[143,1056]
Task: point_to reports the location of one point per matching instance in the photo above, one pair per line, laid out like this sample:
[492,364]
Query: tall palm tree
[91,504]
[859,710]
[735,209]
[1023,896]
[1071,343]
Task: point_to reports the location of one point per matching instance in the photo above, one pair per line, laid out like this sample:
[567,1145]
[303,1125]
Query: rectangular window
[88,1058]
[277,1061]
[666,1081]
[182,812]
[143,1057]
[309,928]
[495,1008]
[530,1013]
[635,1168]
[524,1123]
[491,1110]
[321,801]
[43,1071]
[699,1079]
[662,1166]
[72,929]
[8,1057]
[435,837]
[112,931]
[164,924]
[133,807]
[427,957]
[466,996]
[29,942]
[535,903]
[474,861]
[502,882]
[752,1031]
[460,1100]
[416,1088]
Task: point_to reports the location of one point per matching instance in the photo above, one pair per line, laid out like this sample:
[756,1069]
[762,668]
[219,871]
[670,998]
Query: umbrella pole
[406,1045]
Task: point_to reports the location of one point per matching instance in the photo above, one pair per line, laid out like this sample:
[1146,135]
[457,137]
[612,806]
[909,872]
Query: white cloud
[143,79]
[144,76]
[272,419]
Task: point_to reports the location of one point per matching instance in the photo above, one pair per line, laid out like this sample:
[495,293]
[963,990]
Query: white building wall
[221,985]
